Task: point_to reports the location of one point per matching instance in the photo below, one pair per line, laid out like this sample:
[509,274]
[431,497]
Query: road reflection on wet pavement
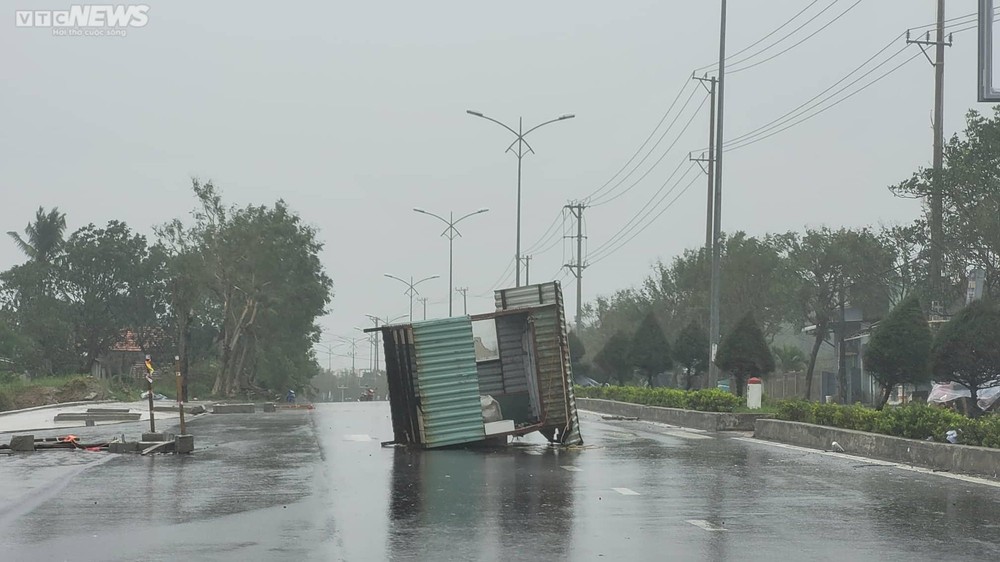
[317,485]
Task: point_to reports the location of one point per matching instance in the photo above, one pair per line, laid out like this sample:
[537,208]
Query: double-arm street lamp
[411,287]
[522,148]
[451,232]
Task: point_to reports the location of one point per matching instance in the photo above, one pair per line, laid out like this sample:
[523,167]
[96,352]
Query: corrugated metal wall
[550,365]
[448,382]
[555,372]
[400,367]
[490,377]
[529,295]
[572,434]
[511,333]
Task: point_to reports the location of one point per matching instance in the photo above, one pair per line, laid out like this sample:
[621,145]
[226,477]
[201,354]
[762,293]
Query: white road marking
[626,491]
[572,469]
[683,434]
[706,525]
[357,438]
[962,477]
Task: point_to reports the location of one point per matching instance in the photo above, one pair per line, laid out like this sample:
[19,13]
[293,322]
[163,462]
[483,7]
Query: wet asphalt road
[317,485]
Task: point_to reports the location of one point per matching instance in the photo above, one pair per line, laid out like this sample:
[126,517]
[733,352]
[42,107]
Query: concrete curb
[59,405]
[708,421]
[928,454]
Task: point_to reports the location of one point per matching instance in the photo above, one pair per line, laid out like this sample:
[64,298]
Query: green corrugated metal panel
[448,382]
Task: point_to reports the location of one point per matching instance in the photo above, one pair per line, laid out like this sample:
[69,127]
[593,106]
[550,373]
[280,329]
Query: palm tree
[790,357]
[44,236]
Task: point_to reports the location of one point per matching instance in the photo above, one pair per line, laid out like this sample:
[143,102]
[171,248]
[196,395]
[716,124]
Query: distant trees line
[235,293]
[792,280]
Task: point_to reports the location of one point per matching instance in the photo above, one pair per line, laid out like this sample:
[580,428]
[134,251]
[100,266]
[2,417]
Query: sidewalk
[43,418]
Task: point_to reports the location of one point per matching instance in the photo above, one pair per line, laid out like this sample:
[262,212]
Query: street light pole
[411,287]
[451,232]
[519,135]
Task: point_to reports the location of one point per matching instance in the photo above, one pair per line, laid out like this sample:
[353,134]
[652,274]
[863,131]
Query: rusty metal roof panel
[551,379]
[447,382]
[555,374]
[526,296]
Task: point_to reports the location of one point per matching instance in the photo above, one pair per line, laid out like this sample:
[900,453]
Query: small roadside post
[754,392]
[180,396]
[149,380]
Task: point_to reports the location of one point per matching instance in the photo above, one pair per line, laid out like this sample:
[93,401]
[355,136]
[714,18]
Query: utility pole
[424,300]
[713,338]
[376,320]
[937,214]
[465,299]
[706,163]
[526,260]
[576,209]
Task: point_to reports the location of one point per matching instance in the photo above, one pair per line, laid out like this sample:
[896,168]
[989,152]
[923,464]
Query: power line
[643,160]
[680,92]
[803,40]
[808,105]
[503,278]
[658,160]
[838,102]
[831,106]
[761,40]
[649,223]
[545,236]
[648,209]
[649,202]
[796,111]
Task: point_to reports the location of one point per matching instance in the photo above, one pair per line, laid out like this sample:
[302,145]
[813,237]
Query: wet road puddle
[572,469]
[626,491]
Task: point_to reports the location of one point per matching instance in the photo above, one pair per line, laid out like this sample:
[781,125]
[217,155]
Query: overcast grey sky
[354,112]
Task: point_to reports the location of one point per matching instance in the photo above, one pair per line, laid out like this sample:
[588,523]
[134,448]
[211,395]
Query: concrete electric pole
[937,214]
[576,209]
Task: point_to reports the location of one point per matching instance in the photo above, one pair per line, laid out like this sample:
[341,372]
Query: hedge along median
[910,434]
[710,400]
[711,410]
[916,421]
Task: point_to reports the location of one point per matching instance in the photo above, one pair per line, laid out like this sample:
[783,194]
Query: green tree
[267,286]
[834,268]
[970,196]
[577,351]
[691,351]
[899,348]
[613,360]
[966,350]
[743,353]
[789,358]
[105,277]
[649,350]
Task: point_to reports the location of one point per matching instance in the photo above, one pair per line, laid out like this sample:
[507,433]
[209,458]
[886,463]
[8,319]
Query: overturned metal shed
[484,377]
